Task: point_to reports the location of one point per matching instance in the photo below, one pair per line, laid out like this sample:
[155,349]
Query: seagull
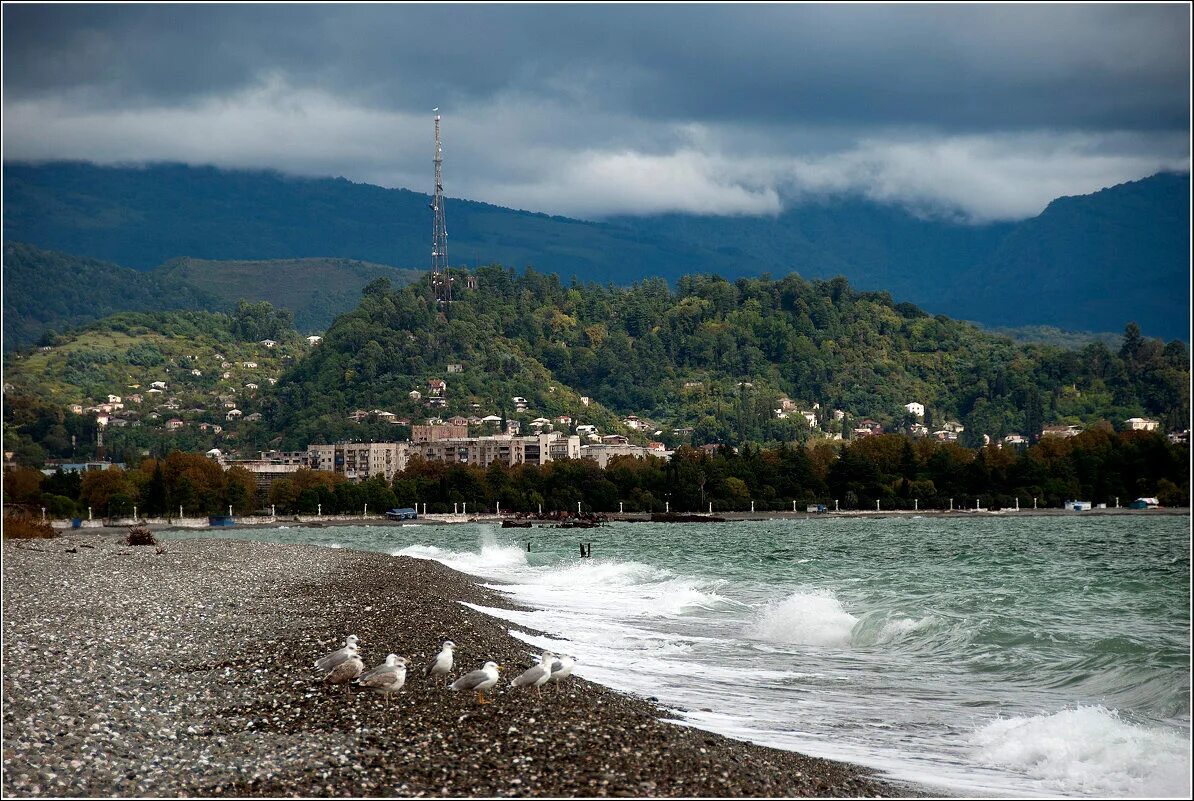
[536,675]
[386,678]
[347,670]
[478,681]
[326,663]
[442,664]
[561,669]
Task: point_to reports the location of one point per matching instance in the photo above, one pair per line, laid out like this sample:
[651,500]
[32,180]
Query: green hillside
[315,290]
[46,291]
[49,291]
[714,356]
[209,364]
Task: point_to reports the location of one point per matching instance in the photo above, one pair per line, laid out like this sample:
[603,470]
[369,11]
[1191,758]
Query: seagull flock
[344,665]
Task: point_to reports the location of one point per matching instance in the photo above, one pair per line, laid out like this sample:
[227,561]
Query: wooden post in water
[951,504]
[752,507]
[916,504]
[876,504]
[835,505]
[619,507]
[710,507]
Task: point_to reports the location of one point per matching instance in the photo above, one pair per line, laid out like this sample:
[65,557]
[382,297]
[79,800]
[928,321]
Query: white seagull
[326,663]
[478,681]
[536,675]
[561,668]
[442,664]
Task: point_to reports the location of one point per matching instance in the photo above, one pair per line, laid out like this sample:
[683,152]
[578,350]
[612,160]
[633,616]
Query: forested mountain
[714,356]
[1089,263]
[314,290]
[142,217]
[47,291]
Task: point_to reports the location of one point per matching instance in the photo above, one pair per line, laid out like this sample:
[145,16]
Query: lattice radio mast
[441,282]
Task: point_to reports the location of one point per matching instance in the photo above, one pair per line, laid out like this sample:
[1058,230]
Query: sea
[983,656]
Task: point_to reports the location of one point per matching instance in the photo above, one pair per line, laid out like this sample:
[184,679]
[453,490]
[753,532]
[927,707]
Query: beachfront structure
[358,461]
[603,453]
[510,450]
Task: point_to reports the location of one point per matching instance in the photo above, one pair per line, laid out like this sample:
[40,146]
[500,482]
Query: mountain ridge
[144,216]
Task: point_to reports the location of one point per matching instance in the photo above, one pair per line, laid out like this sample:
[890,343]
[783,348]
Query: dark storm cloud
[731,101]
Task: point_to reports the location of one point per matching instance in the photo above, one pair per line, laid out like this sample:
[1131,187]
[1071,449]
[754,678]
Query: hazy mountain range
[1090,263]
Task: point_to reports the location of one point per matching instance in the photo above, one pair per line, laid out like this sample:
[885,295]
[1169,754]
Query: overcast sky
[984,111]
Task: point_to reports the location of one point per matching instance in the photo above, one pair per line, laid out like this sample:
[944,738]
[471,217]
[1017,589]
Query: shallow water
[1034,656]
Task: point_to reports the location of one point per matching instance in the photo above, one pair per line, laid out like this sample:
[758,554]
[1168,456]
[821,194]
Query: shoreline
[133,672]
[200,523]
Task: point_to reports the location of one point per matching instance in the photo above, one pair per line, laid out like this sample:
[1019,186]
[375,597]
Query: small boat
[402,514]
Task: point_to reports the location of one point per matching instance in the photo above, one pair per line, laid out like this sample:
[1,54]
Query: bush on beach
[20,526]
[140,535]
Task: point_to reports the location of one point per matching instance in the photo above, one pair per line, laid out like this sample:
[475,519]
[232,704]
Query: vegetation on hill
[47,292]
[314,290]
[208,364]
[714,356]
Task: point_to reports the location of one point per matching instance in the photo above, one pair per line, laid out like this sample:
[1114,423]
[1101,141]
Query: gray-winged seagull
[478,681]
[385,678]
[326,663]
[561,668]
[536,675]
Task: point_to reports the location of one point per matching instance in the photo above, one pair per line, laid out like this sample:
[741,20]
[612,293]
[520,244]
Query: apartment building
[358,461]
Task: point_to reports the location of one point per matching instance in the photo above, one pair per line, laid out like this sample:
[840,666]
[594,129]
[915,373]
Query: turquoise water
[1025,656]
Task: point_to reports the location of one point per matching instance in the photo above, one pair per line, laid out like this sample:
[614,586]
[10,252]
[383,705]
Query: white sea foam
[805,618]
[1089,750]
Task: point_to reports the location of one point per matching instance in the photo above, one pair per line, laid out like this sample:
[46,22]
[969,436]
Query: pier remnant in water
[586,550]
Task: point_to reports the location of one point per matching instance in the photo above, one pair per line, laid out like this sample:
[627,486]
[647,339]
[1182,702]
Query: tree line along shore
[884,473]
[195,662]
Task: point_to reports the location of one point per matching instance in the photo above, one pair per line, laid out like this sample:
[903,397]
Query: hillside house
[77,408]
[1138,424]
[414,394]
[564,419]
[233,414]
[249,365]
[196,372]
[437,387]
[159,386]
[520,403]
[1015,440]
[314,340]
[250,385]
[918,430]
[586,430]
[174,424]
[437,402]
[491,419]
[838,415]
[269,343]
[255,417]
[1061,432]
[614,439]
[225,365]
[114,399]
[585,400]
[226,376]
[458,420]
[455,368]
[915,408]
[810,418]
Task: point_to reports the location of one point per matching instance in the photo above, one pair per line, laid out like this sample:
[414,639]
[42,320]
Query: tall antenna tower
[441,282]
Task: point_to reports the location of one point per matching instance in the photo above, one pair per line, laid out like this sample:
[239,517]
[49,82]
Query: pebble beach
[136,671]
